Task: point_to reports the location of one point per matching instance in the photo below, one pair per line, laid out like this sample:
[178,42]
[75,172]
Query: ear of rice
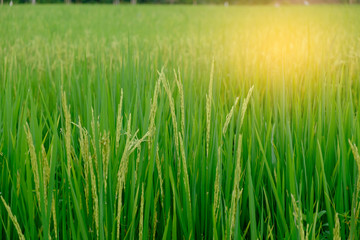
[33,161]
[53,210]
[244,106]
[182,101]
[355,152]
[119,122]
[46,172]
[208,108]
[85,154]
[67,131]
[356,203]
[336,230]
[229,116]
[94,131]
[137,161]
[17,183]
[186,176]
[154,103]
[174,121]
[13,219]
[119,207]
[236,192]
[105,150]
[155,213]
[298,218]
[141,224]
[95,196]
[158,166]
[217,185]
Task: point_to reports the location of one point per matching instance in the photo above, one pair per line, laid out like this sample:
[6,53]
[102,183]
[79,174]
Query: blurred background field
[297,176]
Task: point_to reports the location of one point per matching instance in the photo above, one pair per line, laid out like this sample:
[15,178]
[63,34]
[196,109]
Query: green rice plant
[254,135]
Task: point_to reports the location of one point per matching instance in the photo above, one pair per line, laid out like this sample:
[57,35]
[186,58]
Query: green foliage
[75,163]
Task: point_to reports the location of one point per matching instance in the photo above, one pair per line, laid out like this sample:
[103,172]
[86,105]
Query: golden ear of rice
[13,219]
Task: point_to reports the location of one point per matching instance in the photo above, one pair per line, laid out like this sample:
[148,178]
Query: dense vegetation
[179,122]
[217,2]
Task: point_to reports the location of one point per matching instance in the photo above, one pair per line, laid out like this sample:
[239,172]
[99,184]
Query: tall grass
[179,122]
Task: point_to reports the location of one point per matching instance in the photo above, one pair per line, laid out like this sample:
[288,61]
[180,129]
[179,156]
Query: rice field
[179,122]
